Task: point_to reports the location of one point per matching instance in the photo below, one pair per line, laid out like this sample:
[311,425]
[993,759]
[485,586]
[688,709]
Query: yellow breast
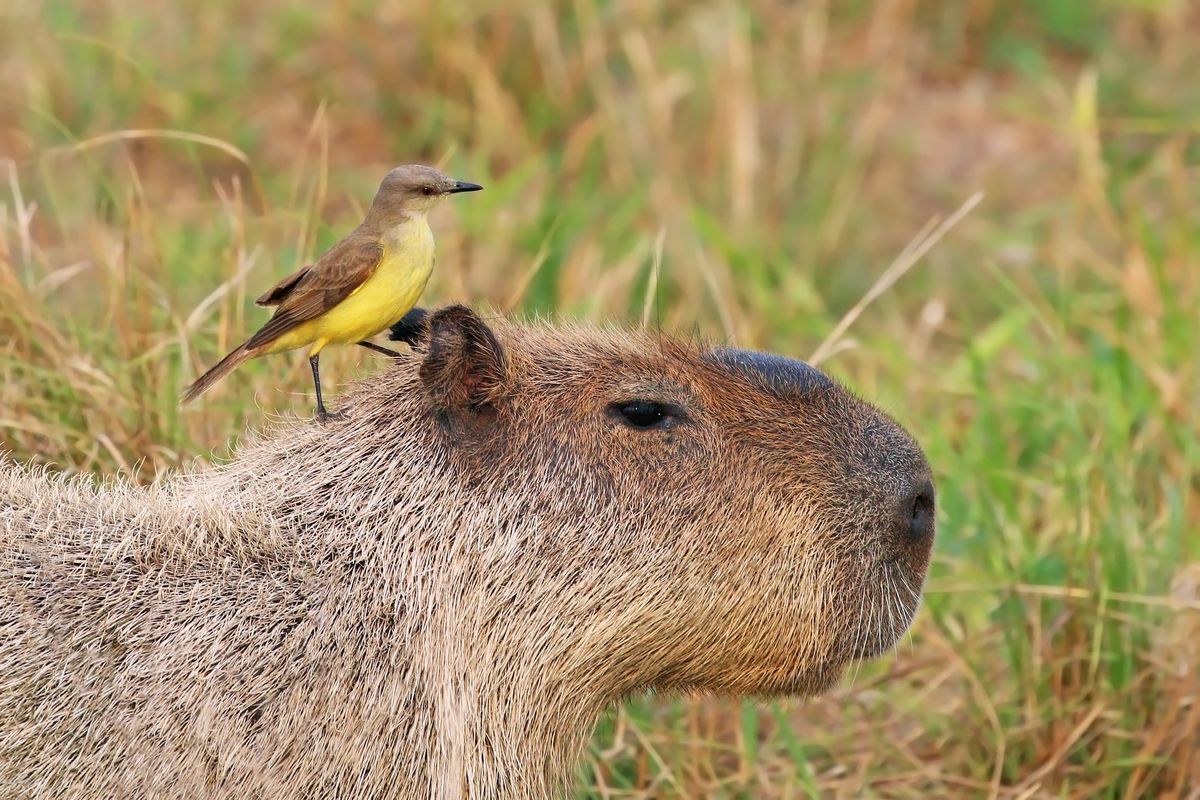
[390,293]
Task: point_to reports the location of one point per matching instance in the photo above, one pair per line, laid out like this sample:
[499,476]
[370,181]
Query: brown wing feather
[279,292]
[328,282]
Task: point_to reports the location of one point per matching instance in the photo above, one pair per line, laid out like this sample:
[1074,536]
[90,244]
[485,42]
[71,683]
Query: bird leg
[380,349]
[322,414]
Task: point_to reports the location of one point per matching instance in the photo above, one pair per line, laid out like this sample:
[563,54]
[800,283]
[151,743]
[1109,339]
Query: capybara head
[723,519]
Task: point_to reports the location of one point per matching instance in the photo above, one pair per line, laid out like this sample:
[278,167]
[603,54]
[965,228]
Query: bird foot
[324,416]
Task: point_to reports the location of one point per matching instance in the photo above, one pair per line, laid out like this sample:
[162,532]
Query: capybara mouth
[889,605]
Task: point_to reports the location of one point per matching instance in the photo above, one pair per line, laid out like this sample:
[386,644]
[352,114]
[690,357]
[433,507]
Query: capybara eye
[644,413]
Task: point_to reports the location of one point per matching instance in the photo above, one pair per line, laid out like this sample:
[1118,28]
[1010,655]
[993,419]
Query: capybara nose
[916,513]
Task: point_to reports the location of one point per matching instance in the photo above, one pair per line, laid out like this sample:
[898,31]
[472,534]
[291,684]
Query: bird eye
[646,414]
[426,190]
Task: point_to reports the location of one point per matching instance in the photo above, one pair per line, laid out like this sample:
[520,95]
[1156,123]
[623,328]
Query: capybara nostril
[917,512]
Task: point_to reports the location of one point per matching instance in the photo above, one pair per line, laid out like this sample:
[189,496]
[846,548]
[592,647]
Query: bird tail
[222,368]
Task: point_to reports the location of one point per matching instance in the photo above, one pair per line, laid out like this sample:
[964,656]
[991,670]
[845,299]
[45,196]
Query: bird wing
[279,292]
[344,268]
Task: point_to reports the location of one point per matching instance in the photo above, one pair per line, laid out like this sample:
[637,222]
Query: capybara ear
[464,368]
[412,329]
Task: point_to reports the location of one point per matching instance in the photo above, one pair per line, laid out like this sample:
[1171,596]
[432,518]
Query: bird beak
[463,186]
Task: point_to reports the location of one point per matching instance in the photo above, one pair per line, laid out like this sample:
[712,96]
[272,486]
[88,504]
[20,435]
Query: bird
[362,285]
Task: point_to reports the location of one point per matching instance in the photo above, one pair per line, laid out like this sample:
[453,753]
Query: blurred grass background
[743,169]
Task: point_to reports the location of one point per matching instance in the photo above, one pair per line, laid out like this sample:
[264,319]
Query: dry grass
[163,165]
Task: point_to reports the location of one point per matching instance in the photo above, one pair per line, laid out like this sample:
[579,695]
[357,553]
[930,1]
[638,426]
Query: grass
[163,165]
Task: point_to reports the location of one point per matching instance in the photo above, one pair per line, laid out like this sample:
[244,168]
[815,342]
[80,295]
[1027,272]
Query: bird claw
[324,416]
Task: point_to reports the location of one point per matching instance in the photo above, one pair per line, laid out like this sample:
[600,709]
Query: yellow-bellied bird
[363,284]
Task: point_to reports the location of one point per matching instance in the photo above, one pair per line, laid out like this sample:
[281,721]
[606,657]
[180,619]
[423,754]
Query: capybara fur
[515,528]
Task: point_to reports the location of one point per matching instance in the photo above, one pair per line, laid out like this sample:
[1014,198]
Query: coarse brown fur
[439,596]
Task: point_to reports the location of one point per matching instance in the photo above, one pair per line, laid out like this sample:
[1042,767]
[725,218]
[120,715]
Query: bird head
[413,189]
